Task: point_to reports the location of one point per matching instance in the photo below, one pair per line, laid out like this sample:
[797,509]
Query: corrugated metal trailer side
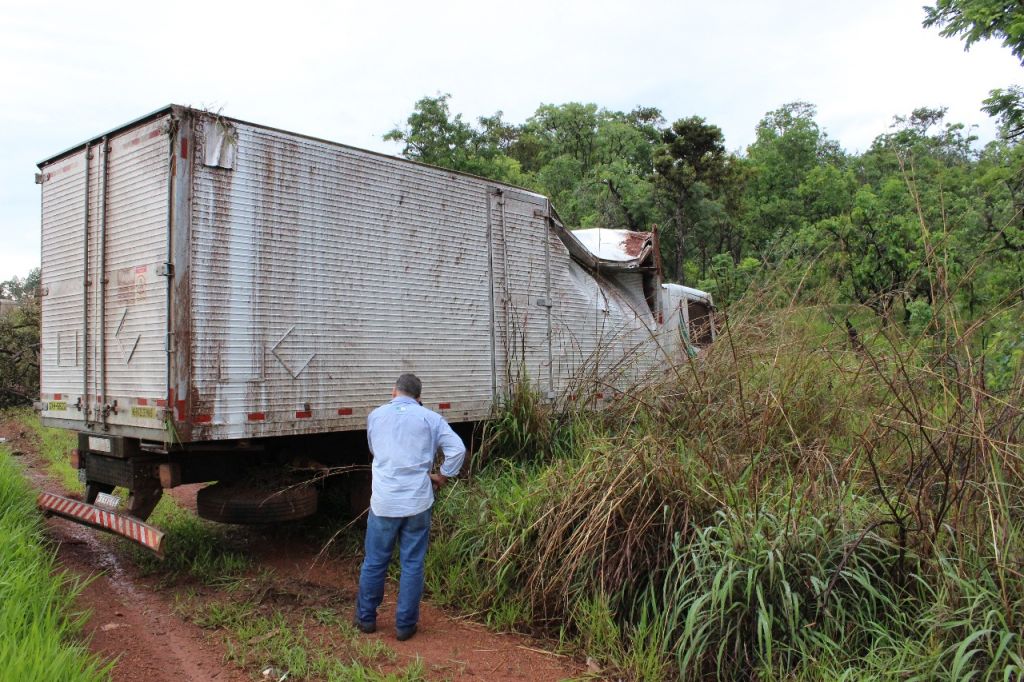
[254,282]
[318,273]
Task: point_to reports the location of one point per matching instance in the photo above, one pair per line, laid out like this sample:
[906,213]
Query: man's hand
[438,480]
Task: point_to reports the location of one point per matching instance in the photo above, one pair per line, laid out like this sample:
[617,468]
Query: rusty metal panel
[319,273]
[62,354]
[617,246]
[135,257]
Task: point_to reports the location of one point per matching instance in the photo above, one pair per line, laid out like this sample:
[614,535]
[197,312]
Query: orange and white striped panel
[119,524]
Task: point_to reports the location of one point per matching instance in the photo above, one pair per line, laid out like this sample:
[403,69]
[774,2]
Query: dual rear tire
[240,503]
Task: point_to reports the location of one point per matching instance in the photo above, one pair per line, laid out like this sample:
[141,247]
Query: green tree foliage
[789,146]
[20,288]
[975,20]
[690,168]
[871,228]
[19,340]
[432,135]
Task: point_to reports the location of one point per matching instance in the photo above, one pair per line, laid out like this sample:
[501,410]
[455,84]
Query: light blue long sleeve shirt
[404,437]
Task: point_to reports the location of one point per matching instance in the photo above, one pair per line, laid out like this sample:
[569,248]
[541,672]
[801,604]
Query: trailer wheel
[245,504]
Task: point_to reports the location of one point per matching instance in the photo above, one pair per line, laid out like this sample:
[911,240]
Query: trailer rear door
[104,265]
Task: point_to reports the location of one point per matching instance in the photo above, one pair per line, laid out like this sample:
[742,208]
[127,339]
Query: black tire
[242,504]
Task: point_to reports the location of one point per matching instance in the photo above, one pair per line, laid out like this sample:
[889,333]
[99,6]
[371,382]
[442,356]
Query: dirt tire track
[132,623]
[450,647]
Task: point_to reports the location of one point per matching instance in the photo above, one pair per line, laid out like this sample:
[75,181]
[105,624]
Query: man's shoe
[403,634]
[365,628]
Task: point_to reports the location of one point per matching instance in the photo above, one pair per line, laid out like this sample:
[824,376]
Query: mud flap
[103,519]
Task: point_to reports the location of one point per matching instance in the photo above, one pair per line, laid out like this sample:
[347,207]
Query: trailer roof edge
[172,107]
[113,131]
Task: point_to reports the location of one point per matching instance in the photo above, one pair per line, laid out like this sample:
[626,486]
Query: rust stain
[635,242]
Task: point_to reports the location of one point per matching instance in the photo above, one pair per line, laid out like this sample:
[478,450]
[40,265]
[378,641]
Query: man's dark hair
[410,385]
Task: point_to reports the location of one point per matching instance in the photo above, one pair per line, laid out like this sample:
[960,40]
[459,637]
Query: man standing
[404,437]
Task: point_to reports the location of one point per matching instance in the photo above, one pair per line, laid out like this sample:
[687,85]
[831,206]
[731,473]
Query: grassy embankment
[801,502]
[38,621]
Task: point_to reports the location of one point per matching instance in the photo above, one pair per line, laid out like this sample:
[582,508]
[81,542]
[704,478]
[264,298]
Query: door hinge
[170,342]
[165,270]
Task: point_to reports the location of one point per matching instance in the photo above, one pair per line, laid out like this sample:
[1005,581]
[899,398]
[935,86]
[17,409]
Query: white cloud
[349,71]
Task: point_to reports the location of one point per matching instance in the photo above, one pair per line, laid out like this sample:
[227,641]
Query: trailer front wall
[605,336]
[318,274]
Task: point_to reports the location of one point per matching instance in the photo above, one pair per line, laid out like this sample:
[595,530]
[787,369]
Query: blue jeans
[412,533]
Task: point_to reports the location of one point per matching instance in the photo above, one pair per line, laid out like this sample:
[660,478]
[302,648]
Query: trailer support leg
[143,499]
[94,488]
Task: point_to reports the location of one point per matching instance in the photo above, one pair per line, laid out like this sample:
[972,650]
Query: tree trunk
[680,244]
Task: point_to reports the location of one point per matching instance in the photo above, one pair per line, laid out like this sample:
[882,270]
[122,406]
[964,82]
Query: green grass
[194,549]
[55,446]
[307,643]
[39,624]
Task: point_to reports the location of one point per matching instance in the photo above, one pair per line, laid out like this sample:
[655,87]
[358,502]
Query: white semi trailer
[219,295]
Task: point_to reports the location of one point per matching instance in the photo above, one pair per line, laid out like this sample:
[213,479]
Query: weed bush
[818,495]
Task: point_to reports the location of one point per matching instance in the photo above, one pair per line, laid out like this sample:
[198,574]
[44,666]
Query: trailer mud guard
[104,519]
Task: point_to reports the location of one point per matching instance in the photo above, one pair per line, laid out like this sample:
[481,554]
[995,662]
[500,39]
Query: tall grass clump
[821,494]
[38,621]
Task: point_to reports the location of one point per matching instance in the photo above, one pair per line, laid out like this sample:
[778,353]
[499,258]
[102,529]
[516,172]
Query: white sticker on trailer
[99,444]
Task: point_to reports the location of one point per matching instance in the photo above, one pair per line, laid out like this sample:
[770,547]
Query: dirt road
[140,622]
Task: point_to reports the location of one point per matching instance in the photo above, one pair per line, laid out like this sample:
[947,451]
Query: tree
[19,341]
[432,135]
[21,288]
[689,166]
[974,20]
[788,146]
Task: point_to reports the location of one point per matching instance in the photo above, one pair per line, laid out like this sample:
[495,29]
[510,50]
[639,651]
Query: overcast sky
[350,71]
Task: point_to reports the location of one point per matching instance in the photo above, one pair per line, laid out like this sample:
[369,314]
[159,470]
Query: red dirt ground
[132,619]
